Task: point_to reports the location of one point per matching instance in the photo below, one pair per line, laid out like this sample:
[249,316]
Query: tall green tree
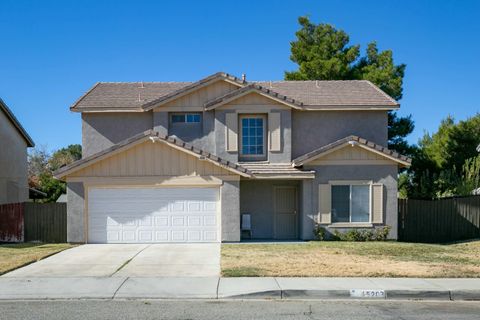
[446,162]
[322,52]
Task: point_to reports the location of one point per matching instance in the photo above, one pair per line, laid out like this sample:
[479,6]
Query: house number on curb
[363,293]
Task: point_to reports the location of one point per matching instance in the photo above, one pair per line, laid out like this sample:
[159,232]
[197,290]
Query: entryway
[285,212]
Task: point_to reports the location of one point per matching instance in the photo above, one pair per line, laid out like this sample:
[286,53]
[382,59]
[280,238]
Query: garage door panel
[145,215]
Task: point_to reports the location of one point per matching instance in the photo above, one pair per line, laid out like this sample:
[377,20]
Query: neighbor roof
[144,136]
[354,140]
[16,124]
[142,96]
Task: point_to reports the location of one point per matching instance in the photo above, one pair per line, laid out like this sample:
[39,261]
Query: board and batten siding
[351,155]
[151,159]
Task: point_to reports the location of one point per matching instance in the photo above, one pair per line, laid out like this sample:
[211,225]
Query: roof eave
[403,161]
[142,137]
[16,124]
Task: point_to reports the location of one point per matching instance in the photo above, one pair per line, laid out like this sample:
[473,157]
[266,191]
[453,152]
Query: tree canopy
[42,164]
[446,162]
[323,52]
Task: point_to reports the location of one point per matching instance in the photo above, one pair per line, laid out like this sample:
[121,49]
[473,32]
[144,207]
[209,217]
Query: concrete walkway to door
[128,260]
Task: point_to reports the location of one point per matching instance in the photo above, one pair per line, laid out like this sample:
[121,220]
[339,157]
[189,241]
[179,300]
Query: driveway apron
[128,260]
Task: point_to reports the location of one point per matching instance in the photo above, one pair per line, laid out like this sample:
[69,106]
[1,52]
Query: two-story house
[183,161]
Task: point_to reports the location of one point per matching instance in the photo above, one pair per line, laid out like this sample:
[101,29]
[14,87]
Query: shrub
[378,234]
[319,233]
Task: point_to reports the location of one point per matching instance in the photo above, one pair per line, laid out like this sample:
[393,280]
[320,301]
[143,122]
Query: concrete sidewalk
[238,288]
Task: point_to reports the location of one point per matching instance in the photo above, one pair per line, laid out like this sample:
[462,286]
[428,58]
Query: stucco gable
[195,99]
[257,90]
[195,86]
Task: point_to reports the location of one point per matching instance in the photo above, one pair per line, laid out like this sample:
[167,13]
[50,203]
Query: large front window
[351,203]
[252,142]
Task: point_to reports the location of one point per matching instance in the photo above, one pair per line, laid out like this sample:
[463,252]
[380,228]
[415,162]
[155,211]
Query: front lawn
[13,256]
[351,259]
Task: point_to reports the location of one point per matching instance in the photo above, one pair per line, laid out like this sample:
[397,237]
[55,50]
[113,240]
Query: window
[351,203]
[252,141]
[185,118]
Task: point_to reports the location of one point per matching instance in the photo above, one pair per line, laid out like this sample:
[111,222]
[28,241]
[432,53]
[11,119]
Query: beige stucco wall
[13,163]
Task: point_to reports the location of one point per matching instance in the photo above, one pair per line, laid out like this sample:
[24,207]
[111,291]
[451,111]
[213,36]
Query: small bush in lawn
[381,234]
[378,234]
[319,233]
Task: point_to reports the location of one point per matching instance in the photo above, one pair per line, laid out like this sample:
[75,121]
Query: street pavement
[237,309]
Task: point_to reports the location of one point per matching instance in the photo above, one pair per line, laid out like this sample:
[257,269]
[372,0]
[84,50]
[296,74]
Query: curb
[290,294]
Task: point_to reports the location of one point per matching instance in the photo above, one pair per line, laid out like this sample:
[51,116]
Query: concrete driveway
[128,260]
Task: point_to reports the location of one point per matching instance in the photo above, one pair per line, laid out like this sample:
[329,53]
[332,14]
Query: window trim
[351,183]
[247,157]
[185,115]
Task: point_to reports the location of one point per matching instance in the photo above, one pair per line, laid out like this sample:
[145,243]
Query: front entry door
[285,212]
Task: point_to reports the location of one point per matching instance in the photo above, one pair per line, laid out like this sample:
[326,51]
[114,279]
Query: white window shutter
[325,203]
[274,130]
[231,123]
[377,203]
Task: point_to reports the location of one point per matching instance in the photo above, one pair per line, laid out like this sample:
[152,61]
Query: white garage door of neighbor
[145,215]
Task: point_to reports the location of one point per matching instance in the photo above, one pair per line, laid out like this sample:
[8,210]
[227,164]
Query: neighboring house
[182,161]
[14,141]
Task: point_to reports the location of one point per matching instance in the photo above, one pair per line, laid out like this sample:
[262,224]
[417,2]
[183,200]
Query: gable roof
[154,136]
[230,96]
[141,96]
[16,124]
[352,140]
[311,95]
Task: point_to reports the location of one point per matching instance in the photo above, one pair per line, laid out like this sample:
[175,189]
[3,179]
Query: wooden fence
[11,222]
[44,222]
[437,221]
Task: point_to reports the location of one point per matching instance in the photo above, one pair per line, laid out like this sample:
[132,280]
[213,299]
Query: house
[182,161]
[14,141]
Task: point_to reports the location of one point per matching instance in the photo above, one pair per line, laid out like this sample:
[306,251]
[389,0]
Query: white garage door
[143,215]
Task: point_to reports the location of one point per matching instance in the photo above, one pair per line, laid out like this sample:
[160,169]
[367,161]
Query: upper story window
[185,118]
[253,137]
[351,203]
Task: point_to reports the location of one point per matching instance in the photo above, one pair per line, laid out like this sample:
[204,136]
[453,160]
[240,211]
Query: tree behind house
[42,164]
[322,52]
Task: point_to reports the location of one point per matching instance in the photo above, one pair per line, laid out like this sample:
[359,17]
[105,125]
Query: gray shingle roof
[139,96]
[351,139]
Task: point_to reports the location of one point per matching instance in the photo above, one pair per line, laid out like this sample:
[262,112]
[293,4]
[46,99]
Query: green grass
[13,256]
[338,258]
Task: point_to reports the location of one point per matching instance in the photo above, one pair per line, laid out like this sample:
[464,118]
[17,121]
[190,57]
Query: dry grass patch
[351,259]
[13,256]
